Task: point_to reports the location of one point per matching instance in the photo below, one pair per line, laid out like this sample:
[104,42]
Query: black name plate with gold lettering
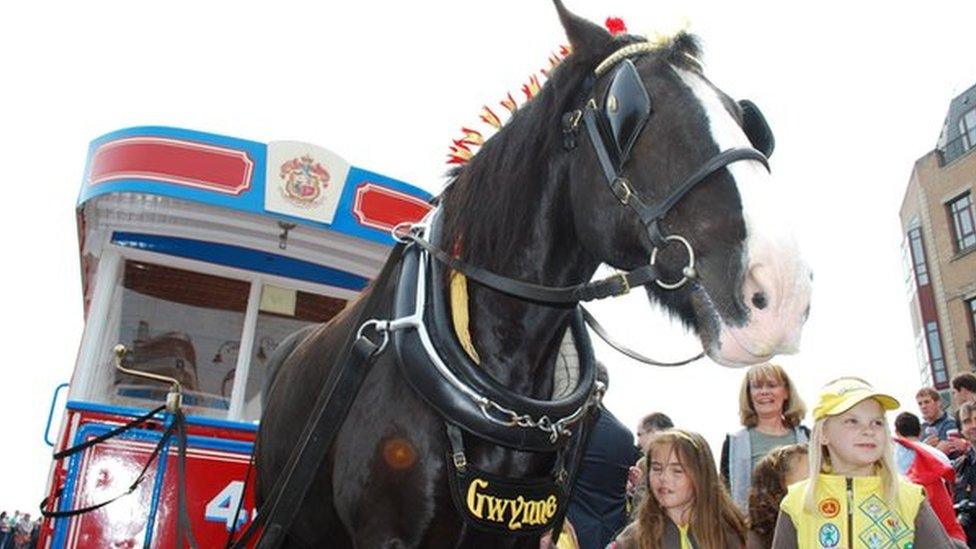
[505,505]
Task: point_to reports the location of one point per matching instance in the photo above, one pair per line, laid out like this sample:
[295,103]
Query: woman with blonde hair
[770,410]
[854,496]
[687,506]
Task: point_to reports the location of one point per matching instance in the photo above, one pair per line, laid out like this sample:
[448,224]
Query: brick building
[938,220]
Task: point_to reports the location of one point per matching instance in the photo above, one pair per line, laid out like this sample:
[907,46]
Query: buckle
[460,462]
[621,186]
[574,119]
[623,282]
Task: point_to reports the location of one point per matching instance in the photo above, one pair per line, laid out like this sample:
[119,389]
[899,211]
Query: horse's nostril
[759,300]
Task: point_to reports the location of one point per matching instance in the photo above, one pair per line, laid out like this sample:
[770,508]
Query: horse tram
[199,254]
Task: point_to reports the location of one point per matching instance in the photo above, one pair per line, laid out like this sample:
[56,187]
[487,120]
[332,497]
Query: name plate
[508,506]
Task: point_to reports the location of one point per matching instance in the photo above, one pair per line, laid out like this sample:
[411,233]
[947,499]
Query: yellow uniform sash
[852,512]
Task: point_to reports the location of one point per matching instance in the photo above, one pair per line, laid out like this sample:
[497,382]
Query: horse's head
[660,121]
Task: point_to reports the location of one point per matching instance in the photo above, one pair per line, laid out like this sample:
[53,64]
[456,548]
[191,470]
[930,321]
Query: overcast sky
[854,91]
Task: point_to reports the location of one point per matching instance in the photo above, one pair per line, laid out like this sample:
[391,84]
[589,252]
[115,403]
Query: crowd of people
[18,531]
[848,481]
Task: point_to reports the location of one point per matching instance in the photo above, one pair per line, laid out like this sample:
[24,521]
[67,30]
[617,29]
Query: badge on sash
[829,535]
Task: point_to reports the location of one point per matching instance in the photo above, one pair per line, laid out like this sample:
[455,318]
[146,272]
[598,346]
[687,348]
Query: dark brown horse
[533,207]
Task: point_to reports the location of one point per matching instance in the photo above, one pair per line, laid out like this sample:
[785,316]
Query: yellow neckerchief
[567,539]
[683,532]
[459,314]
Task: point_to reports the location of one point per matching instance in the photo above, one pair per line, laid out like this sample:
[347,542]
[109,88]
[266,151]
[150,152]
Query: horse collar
[439,369]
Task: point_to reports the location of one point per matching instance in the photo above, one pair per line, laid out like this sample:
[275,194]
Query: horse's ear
[583,35]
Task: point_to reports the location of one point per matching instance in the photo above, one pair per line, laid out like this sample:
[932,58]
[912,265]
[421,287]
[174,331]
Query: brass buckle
[623,281]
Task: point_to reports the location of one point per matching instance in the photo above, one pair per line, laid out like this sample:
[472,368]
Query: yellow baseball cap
[842,394]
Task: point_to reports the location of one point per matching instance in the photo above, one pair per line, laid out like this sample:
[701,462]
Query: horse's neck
[517,341]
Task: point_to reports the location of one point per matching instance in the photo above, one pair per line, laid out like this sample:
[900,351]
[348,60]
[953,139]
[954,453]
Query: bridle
[613,127]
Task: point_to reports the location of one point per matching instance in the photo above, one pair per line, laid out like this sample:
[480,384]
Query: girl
[770,479]
[854,497]
[687,507]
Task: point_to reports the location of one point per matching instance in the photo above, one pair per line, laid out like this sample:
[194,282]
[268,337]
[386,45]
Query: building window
[909,273]
[936,358]
[971,307]
[967,129]
[921,353]
[961,212]
[918,256]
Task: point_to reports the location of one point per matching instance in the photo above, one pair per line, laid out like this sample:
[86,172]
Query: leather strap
[183,524]
[577,451]
[621,187]
[135,484]
[623,349]
[615,285]
[113,433]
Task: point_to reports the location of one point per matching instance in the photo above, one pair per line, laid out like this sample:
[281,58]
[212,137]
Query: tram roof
[293,182]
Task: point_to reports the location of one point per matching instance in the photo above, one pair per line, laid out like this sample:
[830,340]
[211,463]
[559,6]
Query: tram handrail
[174,399]
[50,414]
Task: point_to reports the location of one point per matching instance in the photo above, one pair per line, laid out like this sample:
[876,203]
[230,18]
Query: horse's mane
[495,195]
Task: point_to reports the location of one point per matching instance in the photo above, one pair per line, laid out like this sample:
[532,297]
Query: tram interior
[189,325]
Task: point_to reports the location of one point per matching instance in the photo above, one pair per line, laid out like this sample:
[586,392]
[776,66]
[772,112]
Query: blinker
[756,128]
[626,108]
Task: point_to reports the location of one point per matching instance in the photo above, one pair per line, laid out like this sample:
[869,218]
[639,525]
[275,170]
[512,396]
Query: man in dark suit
[597,508]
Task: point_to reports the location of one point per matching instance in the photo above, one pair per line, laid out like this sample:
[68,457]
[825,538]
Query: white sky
[855,92]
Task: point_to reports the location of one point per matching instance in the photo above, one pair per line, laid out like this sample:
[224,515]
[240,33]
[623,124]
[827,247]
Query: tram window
[180,324]
[282,312]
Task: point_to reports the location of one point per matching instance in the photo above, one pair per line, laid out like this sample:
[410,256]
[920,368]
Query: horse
[622,127]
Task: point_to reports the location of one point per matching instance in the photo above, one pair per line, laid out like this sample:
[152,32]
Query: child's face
[856,438]
[669,482]
[799,469]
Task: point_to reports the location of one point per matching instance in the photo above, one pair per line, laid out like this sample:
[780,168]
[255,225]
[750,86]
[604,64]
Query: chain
[555,429]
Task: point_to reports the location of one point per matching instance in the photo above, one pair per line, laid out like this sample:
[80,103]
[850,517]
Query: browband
[629,50]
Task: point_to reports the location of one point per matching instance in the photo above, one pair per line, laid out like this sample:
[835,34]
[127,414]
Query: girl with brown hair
[770,479]
[687,505]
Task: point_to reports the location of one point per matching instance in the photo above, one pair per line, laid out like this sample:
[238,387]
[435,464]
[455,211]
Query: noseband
[614,128]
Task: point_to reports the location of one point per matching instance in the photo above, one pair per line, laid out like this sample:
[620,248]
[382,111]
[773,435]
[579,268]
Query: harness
[440,371]
[472,403]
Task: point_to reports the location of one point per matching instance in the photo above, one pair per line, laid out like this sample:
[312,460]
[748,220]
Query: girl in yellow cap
[854,497]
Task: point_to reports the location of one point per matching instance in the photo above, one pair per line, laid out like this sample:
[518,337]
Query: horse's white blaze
[771,257]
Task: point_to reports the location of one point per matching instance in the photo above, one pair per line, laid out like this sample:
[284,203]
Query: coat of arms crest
[303,181]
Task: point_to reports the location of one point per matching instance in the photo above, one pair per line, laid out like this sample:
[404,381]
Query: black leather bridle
[613,128]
